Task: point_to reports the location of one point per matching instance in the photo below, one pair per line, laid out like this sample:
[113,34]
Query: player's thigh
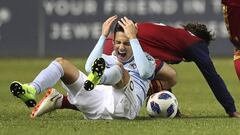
[127,103]
[232,20]
[76,87]
[98,99]
[71,73]
[166,73]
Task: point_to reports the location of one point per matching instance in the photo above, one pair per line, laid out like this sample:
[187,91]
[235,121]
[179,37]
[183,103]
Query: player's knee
[60,60]
[66,65]
[235,41]
[71,73]
[173,76]
[120,65]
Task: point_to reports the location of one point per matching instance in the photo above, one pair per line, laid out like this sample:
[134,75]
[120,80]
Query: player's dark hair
[200,30]
[117,28]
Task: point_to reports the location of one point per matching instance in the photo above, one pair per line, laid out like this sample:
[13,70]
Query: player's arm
[98,49]
[145,65]
[96,53]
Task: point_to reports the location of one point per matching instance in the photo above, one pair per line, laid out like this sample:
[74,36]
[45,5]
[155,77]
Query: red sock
[237,67]
[237,63]
[67,105]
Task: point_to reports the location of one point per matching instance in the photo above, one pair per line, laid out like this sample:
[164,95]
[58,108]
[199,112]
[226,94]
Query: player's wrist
[133,40]
[132,37]
[103,36]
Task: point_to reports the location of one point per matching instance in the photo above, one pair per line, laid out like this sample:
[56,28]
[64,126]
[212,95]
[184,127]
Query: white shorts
[103,102]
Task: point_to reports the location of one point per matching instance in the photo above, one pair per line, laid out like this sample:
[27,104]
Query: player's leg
[100,75]
[129,96]
[50,102]
[71,73]
[167,76]
[236,59]
[95,75]
[125,98]
[24,92]
[122,75]
[46,78]
[59,68]
[53,99]
[88,102]
[232,20]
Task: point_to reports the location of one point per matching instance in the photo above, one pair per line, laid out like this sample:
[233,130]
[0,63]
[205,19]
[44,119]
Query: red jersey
[235,3]
[162,42]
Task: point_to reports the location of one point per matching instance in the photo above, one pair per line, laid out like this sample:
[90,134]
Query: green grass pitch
[205,115]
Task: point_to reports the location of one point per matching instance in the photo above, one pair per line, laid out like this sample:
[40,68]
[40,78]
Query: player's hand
[107,25]
[129,27]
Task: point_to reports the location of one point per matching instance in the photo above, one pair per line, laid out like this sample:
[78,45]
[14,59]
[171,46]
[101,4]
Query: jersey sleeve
[154,65]
[145,63]
[96,53]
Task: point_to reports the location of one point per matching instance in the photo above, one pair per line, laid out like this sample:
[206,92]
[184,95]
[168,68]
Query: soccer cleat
[237,62]
[25,92]
[94,77]
[48,103]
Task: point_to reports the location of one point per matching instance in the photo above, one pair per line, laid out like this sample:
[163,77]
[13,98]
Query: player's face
[122,47]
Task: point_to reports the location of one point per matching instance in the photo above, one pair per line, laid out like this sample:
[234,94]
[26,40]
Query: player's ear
[136,25]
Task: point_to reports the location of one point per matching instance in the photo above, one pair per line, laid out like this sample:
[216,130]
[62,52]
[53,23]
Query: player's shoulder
[151,24]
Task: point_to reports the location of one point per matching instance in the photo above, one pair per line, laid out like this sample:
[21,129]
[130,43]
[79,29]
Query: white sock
[48,77]
[111,75]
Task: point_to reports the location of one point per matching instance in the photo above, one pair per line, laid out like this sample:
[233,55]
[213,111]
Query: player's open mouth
[122,54]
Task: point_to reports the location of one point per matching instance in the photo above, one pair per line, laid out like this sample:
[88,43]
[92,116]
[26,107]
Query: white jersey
[141,86]
[107,102]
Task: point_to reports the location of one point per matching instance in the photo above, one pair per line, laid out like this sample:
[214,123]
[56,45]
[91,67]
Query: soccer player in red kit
[231,11]
[190,43]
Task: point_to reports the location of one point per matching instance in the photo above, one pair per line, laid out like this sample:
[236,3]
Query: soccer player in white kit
[118,90]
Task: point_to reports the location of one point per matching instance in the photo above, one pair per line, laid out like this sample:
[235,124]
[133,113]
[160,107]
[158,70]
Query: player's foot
[179,114]
[235,115]
[25,92]
[236,59]
[48,103]
[94,77]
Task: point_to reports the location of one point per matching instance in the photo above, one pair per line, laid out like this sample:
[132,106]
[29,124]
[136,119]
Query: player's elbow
[146,74]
